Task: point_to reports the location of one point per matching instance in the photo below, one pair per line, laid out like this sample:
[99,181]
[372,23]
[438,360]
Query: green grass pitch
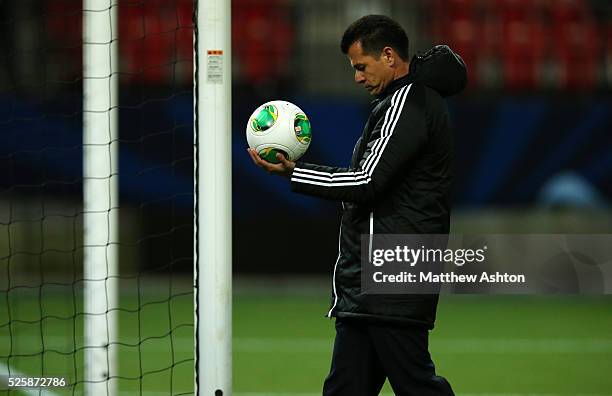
[484,345]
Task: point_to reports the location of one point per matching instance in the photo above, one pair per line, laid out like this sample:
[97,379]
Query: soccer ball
[278,127]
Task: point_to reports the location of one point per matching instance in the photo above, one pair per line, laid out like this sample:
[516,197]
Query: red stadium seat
[523,41]
[576,45]
[263,40]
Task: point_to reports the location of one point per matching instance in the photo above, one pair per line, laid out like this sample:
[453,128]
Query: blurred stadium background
[533,135]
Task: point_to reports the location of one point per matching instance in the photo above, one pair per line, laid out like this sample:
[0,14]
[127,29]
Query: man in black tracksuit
[398,183]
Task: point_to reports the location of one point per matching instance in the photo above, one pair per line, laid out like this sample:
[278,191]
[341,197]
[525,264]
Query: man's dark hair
[376,32]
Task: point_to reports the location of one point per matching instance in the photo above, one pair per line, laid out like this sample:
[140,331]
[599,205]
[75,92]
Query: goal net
[97,196]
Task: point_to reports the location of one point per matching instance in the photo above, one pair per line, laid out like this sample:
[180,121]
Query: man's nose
[359,77]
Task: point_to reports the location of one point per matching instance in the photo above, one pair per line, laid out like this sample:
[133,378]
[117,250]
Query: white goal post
[213,197]
[100,195]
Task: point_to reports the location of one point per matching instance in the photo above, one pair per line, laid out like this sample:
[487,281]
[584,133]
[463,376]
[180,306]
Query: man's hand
[283,168]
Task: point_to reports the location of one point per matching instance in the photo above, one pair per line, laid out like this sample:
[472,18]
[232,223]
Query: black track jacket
[398,183]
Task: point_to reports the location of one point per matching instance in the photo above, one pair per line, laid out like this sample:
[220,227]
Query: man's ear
[388,55]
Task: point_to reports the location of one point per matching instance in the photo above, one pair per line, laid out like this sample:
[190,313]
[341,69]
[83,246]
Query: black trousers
[366,353]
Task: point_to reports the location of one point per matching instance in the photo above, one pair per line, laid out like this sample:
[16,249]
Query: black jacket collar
[394,86]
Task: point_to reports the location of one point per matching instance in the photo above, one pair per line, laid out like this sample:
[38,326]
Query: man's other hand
[283,168]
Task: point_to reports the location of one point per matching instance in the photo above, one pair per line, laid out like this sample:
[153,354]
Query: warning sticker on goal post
[214,66]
